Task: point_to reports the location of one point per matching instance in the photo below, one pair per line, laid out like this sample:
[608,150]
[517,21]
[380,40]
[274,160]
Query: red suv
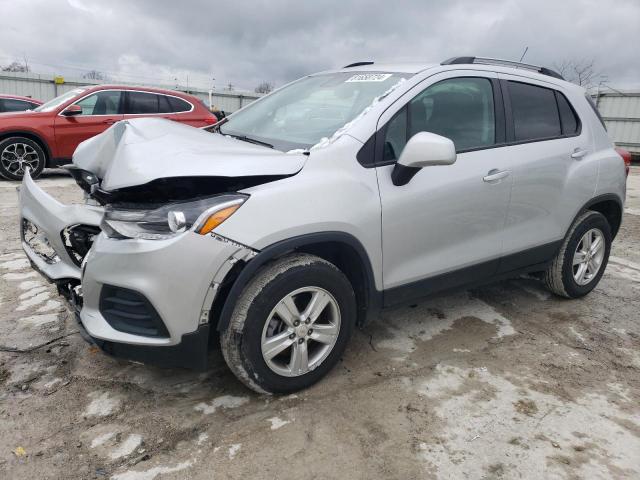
[48,135]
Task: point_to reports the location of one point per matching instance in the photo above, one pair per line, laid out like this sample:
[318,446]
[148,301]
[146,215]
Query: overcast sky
[246,42]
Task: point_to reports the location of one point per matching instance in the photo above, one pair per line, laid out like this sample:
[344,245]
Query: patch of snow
[277,422]
[102,404]
[18,264]
[39,320]
[30,284]
[50,305]
[225,401]
[102,439]
[127,447]
[203,437]
[32,292]
[233,450]
[623,268]
[12,277]
[632,211]
[35,300]
[152,473]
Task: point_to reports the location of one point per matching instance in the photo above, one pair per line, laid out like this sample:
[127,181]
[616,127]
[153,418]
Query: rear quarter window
[178,105]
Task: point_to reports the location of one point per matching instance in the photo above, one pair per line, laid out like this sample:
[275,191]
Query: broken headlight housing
[201,216]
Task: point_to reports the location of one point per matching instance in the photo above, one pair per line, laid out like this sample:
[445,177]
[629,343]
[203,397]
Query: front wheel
[580,263]
[290,325]
[18,153]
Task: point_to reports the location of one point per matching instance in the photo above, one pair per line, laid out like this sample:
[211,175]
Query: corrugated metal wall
[621,114]
[43,88]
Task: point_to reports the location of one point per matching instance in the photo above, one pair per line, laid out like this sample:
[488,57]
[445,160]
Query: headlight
[200,216]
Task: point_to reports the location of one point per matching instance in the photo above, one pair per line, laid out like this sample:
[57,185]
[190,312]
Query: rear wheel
[290,325]
[580,263]
[19,153]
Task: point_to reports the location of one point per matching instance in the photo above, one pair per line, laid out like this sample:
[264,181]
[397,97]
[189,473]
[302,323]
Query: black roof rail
[357,64]
[505,63]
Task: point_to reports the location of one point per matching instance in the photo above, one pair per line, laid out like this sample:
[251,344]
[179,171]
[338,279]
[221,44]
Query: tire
[11,163]
[255,320]
[560,277]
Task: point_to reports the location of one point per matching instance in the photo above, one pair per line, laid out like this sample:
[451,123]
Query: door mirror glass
[424,149]
[72,110]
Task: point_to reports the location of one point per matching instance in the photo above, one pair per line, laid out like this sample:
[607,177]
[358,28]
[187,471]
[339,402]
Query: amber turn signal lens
[216,219]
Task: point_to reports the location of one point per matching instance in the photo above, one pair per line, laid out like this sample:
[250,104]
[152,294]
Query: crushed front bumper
[176,279]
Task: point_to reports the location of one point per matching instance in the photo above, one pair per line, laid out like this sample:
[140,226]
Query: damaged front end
[140,260]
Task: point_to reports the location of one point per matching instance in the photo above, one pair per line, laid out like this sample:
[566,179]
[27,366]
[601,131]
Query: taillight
[626,156]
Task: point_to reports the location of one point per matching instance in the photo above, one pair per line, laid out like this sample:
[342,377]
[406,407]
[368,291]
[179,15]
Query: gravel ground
[505,381]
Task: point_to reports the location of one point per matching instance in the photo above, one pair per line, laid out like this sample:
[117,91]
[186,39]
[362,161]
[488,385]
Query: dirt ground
[505,381]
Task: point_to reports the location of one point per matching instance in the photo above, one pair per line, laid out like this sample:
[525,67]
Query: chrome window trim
[127,114]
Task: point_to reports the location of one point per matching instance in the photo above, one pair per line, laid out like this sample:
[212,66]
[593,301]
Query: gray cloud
[280,40]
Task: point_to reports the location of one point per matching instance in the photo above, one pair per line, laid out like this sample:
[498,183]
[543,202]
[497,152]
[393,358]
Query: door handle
[109,122]
[495,175]
[578,153]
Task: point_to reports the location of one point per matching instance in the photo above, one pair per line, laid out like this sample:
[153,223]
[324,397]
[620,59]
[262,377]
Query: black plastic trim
[373,296]
[358,64]
[190,353]
[136,315]
[401,174]
[534,259]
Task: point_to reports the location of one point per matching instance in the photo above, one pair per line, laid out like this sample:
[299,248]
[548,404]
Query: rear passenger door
[554,173]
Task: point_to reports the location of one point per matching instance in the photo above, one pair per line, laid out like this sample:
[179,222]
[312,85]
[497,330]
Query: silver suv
[305,213]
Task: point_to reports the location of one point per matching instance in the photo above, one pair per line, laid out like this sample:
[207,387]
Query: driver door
[445,227]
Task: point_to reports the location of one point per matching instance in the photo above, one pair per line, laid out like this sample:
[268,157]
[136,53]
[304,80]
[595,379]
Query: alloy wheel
[588,256]
[17,156]
[300,331]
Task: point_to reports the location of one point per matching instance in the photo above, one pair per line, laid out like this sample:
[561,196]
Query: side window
[460,109]
[568,118]
[105,102]
[535,114]
[142,103]
[13,105]
[178,105]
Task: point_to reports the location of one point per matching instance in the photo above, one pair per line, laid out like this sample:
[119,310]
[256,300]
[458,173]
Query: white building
[620,111]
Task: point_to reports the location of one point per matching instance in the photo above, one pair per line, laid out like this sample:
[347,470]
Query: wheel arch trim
[373,297]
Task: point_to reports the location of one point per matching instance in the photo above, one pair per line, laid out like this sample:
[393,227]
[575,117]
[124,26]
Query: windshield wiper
[244,138]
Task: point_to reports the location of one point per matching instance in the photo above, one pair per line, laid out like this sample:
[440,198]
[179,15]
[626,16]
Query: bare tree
[581,72]
[264,87]
[94,75]
[17,67]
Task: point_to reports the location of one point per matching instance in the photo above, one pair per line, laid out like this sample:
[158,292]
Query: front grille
[130,312]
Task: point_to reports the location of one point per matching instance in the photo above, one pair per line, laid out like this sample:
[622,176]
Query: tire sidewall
[35,173]
[597,221]
[313,275]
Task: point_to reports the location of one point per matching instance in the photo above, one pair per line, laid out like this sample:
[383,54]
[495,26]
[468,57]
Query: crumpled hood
[138,151]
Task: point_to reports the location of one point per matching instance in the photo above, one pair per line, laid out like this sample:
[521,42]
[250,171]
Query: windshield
[56,102]
[313,108]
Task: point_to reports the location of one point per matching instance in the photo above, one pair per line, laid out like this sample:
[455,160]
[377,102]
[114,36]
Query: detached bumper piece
[130,312]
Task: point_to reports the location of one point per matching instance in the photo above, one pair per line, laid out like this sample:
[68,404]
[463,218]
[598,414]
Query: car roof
[19,97]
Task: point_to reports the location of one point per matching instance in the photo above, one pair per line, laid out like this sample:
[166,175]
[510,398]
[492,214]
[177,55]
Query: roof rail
[506,63]
[357,64]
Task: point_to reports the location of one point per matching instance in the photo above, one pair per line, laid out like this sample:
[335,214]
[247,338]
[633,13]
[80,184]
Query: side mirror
[72,110]
[424,149]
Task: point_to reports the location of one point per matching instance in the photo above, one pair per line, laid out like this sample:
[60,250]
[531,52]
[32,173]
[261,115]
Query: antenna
[526,49]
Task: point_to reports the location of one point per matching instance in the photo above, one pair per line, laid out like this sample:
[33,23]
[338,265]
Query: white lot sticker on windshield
[369,77]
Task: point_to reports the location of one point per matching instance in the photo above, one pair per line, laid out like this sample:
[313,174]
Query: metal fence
[45,87]
[621,114]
